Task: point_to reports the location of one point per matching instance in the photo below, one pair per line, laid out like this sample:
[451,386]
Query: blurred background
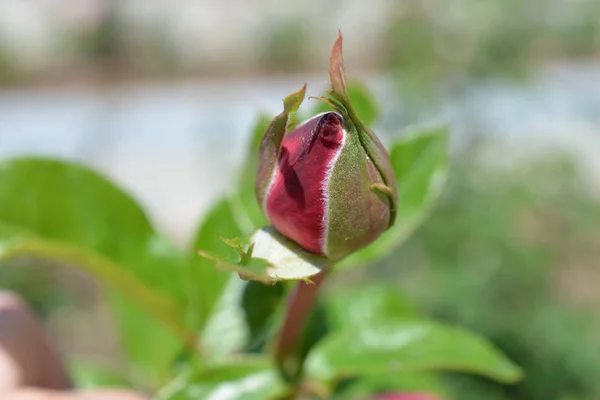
[160,96]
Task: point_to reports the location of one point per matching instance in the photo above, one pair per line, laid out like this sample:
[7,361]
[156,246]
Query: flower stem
[299,307]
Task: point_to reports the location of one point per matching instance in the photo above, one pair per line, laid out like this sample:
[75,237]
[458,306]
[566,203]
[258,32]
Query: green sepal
[292,102]
[339,99]
[247,267]
[382,189]
[268,257]
[236,243]
[270,146]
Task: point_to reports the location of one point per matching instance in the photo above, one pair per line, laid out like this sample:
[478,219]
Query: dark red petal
[296,200]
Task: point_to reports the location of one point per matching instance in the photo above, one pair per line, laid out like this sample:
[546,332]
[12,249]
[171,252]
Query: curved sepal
[337,73]
[292,102]
[340,101]
[270,145]
[268,257]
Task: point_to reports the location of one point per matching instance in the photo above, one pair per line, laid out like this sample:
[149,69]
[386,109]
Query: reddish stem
[300,304]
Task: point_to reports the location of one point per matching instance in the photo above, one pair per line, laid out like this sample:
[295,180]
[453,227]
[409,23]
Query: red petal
[296,200]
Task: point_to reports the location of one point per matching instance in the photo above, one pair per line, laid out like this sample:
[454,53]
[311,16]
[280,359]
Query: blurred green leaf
[364,102]
[245,196]
[362,99]
[38,282]
[246,380]
[355,308]
[89,376]
[75,216]
[226,332]
[151,345]
[399,346]
[146,318]
[260,303]
[216,296]
[207,282]
[14,242]
[498,278]
[420,162]
[69,203]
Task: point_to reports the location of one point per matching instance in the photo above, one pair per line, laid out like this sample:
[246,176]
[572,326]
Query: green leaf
[68,213]
[244,195]
[420,162]
[68,203]
[363,101]
[400,346]
[218,305]
[89,376]
[150,345]
[207,282]
[225,332]
[355,308]
[260,303]
[246,380]
[17,243]
[216,296]
[147,320]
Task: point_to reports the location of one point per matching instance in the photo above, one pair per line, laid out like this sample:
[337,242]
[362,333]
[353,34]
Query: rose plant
[313,199]
[328,184]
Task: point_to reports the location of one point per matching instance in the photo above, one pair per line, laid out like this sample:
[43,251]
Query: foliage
[503,255]
[438,50]
[199,332]
[503,37]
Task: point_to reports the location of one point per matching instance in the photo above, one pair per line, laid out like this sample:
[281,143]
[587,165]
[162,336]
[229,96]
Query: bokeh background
[160,96]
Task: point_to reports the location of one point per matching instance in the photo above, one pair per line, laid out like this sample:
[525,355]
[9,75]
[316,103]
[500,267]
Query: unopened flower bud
[329,183]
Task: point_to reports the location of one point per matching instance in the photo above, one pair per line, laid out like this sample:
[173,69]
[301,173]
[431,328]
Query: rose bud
[329,183]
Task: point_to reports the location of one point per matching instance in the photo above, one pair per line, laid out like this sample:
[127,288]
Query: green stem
[161,307]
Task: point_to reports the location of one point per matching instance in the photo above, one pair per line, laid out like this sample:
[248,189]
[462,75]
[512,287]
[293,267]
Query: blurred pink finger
[38,394]
[26,357]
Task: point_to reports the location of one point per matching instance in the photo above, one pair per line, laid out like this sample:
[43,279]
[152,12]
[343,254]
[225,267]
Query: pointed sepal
[270,146]
[337,73]
[267,257]
[289,261]
[339,99]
